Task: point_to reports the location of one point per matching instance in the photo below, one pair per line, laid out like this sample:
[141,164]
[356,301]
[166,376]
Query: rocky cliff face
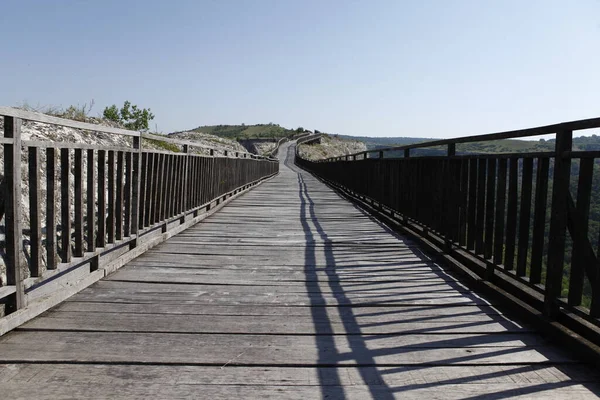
[330,146]
[259,146]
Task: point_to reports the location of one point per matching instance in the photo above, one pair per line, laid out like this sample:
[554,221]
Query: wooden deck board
[289,292]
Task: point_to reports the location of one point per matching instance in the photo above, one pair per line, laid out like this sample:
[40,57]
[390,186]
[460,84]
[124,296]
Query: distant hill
[235,132]
[380,142]
[497,146]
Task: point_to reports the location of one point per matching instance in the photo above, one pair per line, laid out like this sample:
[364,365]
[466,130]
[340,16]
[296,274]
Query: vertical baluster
[110,223]
[524,216]
[35,212]
[149,219]
[198,180]
[511,214]
[500,211]
[155,185]
[173,204]
[472,204]
[137,183]
[65,205]
[78,200]
[127,221]
[160,184]
[212,174]
[51,253]
[143,184]
[464,200]
[119,199]
[193,182]
[454,222]
[198,200]
[207,191]
[164,184]
[168,187]
[181,185]
[91,202]
[175,199]
[489,209]
[479,223]
[580,234]
[539,220]
[101,235]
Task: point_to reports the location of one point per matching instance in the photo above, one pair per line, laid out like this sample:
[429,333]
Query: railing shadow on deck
[78,211]
[377,376]
[508,219]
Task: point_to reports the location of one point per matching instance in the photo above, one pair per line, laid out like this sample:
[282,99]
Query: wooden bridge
[291,290]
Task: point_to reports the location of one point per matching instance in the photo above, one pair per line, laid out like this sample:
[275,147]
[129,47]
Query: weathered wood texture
[98,201]
[289,292]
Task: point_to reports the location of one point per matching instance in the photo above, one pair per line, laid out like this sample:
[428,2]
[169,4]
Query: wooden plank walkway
[289,292]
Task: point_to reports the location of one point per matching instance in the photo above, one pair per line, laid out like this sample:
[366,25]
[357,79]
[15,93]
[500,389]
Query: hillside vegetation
[236,132]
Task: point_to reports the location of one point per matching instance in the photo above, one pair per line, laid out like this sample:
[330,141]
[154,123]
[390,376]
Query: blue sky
[428,68]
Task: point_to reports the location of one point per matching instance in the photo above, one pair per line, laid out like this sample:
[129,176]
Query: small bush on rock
[130,116]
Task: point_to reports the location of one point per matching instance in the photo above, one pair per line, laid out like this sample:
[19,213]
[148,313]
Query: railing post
[406,153]
[186,150]
[135,189]
[381,154]
[448,197]
[14,221]
[451,149]
[35,212]
[212,152]
[558,222]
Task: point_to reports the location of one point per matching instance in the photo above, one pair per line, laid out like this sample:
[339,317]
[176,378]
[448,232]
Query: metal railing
[98,203]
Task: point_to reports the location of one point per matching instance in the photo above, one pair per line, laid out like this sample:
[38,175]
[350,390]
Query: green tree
[130,116]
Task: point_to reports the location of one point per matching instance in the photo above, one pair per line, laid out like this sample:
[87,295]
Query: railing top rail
[48,119]
[514,134]
[192,144]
